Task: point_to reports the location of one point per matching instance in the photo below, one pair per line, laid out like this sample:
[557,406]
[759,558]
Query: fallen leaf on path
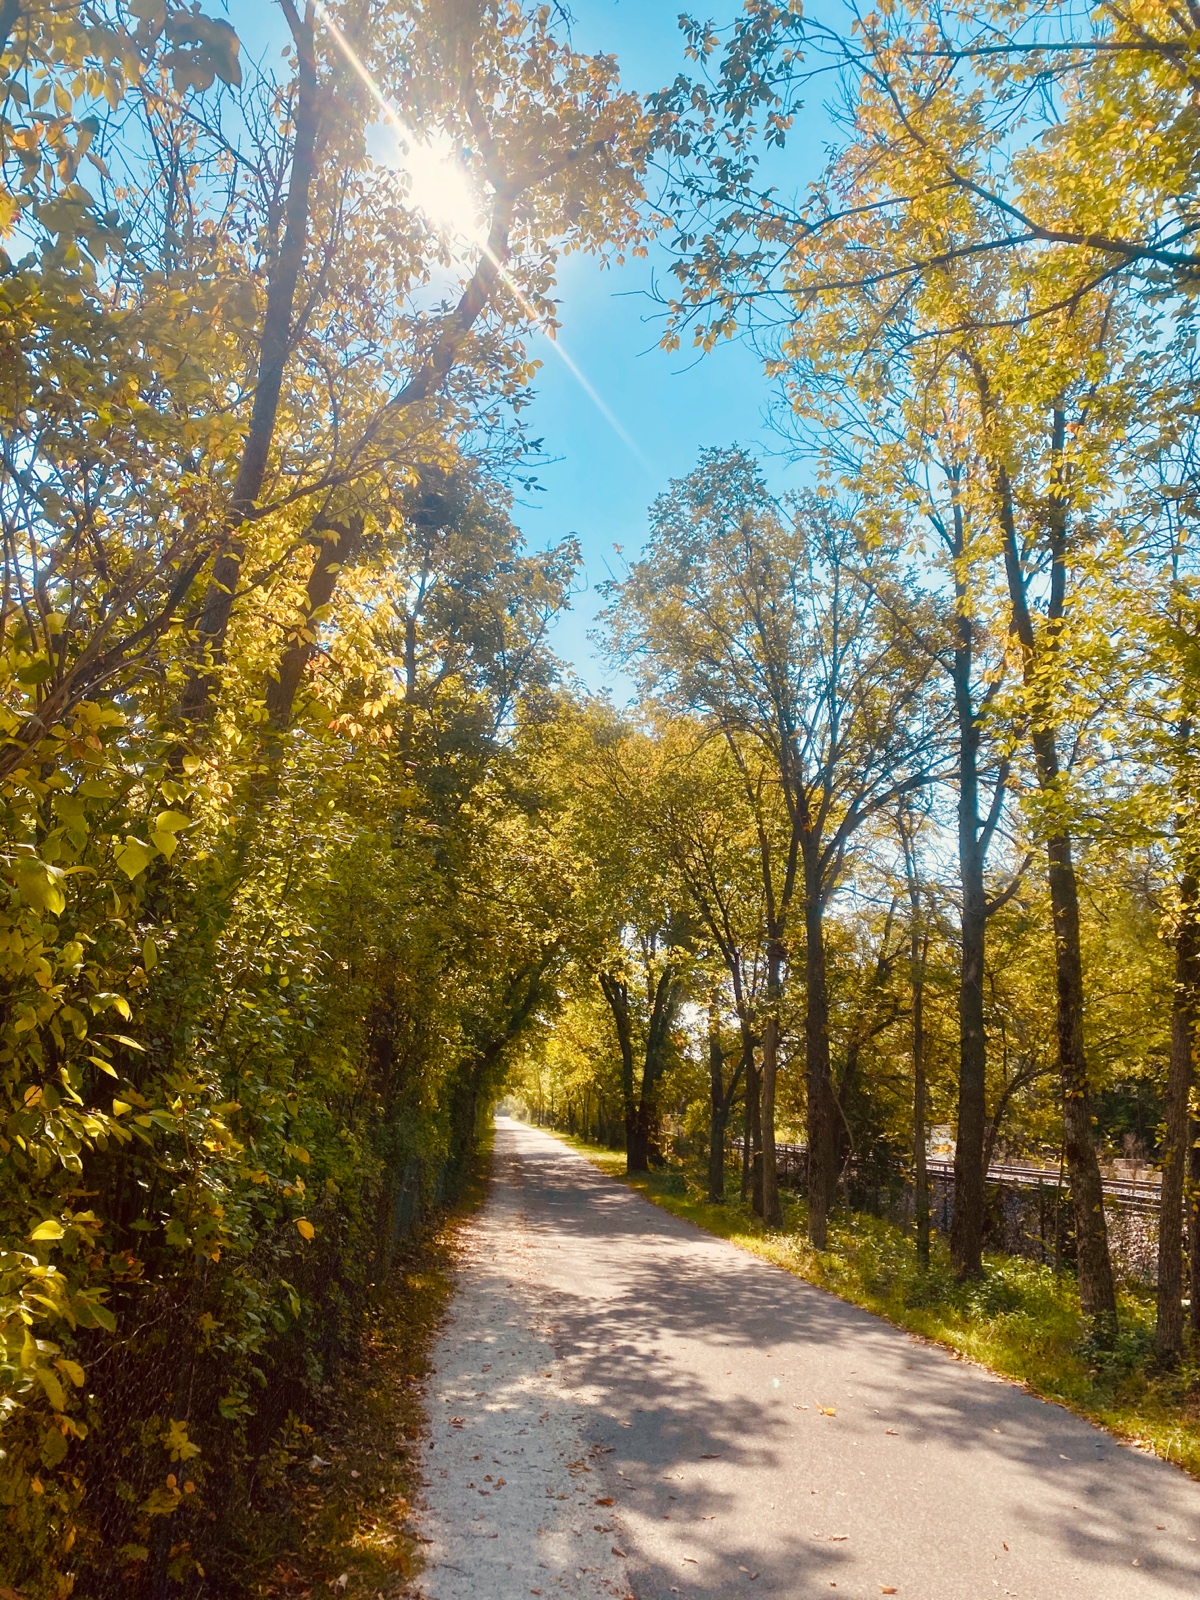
[838,1538]
[620,1553]
[606,1501]
[692,1559]
[827,1411]
[799,1408]
[892,1431]
[457,1422]
[887,1588]
[710,1458]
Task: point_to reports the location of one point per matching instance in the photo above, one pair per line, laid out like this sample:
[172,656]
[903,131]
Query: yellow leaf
[120,1107]
[134,857]
[171,822]
[38,885]
[52,1387]
[50,1229]
[307,1231]
[105,1066]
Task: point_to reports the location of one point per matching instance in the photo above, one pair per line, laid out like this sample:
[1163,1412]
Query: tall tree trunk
[274,348]
[664,998]
[1193,1211]
[337,546]
[616,992]
[971,1141]
[918,948]
[966,1227]
[1168,1338]
[772,1211]
[821,1109]
[752,1130]
[1097,1290]
[718,1106]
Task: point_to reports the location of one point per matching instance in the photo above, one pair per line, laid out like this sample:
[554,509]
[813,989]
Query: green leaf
[54,1447]
[49,1229]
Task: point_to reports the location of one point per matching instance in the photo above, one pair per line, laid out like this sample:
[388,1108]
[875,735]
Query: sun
[439,185]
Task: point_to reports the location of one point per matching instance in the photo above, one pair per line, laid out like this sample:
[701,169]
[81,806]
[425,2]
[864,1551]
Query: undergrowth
[1020,1320]
[343,1491]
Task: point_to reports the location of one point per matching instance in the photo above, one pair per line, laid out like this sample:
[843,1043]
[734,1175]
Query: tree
[757,620]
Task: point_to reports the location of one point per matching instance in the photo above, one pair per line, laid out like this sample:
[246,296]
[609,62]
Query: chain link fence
[1028,1208]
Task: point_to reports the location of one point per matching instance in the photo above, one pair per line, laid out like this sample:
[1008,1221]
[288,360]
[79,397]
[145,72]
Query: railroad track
[1131,1194]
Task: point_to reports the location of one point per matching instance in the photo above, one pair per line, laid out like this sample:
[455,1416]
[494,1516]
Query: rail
[1131,1194]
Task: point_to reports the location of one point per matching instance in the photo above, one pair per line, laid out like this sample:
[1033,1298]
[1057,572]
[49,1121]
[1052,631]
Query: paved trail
[625,1406]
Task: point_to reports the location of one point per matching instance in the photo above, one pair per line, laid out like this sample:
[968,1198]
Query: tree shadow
[649,1313]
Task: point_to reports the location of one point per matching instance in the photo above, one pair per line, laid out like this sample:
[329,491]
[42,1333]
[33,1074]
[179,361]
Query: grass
[1021,1320]
[342,1527]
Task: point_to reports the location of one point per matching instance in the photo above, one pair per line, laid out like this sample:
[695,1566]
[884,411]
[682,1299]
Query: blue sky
[672,405]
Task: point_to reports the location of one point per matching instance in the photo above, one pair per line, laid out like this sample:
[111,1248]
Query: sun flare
[439,185]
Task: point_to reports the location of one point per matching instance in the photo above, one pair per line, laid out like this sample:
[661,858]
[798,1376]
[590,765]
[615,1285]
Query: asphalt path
[626,1406]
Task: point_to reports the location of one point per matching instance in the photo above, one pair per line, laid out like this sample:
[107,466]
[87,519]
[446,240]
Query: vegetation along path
[626,1406]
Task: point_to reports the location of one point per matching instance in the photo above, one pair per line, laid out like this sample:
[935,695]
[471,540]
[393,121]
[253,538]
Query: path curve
[657,1403]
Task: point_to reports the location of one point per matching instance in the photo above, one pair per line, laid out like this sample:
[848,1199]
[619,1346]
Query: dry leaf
[892,1431]
[617,1552]
[827,1411]
[607,1500]
[887,1588]
[457,1422]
